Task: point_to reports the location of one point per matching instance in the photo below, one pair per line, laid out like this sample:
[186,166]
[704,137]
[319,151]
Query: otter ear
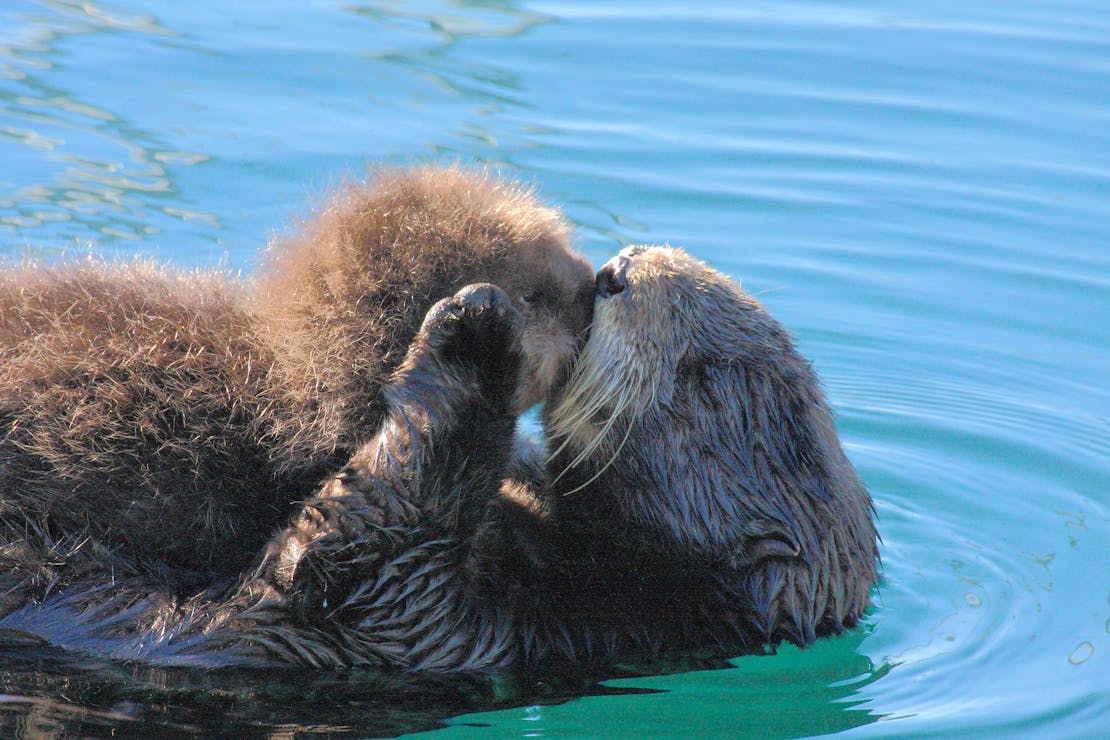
[776,546]
[764,540]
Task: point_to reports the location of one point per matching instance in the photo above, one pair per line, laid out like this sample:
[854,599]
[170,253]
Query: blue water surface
[919,190]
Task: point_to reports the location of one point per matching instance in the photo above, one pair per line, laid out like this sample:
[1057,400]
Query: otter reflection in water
[696,500]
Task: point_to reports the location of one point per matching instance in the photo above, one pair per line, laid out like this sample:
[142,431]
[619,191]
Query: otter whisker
[595,442]
[604,467]
[572,426]
[622,404]
[623,401]
[588,392]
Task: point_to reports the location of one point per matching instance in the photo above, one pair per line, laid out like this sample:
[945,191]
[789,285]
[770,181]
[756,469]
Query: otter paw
[479,322]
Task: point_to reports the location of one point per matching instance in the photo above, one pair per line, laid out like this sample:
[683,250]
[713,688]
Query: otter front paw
[479,324]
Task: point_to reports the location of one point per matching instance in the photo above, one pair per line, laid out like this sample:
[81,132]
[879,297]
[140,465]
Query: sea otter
[698,492]
[696,501]
[172,419]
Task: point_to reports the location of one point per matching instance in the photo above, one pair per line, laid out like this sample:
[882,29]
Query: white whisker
[604,467]
[602,390]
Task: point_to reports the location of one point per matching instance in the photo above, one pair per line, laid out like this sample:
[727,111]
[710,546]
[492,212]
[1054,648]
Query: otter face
[688,410]
[553,288]
[658,314]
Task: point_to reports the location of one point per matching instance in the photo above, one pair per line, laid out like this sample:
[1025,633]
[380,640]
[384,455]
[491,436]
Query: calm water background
[920,190]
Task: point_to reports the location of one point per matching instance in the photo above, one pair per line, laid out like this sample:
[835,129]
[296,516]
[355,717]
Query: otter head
[341,298]
[691,429]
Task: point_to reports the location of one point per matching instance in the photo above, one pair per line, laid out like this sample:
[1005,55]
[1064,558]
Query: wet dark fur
[172,419]
[725,518]
[717,507]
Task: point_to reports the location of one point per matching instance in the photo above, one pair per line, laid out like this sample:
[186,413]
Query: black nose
[612,278]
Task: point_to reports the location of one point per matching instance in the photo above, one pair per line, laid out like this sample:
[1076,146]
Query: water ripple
[917,190]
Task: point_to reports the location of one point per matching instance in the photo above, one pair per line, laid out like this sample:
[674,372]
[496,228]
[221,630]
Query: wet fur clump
[174,419]
[696,502]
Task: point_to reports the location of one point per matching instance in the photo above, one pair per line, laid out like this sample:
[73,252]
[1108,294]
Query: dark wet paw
[479,322]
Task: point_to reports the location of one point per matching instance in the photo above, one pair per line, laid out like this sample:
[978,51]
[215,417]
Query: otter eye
[530,297]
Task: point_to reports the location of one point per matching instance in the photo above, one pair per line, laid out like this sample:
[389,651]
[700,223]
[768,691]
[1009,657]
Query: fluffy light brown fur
[343,297]
[132,409]
[175,418]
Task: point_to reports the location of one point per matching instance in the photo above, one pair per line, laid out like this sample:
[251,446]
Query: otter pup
[696,501]
[171,419]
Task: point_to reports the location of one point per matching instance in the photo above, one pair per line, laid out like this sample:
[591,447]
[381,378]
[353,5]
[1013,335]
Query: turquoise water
[920,190]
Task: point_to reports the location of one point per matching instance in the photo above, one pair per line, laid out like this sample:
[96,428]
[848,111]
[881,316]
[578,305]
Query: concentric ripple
[919,190]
